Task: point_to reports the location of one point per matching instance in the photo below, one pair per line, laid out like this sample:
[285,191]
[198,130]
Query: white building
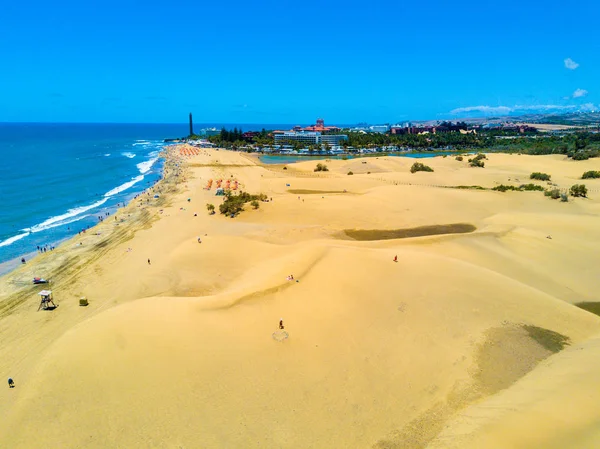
[310,138]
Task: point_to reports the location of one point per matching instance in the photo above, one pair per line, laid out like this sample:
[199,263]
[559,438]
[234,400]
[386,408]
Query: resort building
[309,138]
[333,139]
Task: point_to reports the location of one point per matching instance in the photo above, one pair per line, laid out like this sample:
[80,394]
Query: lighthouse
[191,126]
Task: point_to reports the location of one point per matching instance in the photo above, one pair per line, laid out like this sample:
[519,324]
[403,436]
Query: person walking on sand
[148,261]
[281,323]
[11,383]
[395,258]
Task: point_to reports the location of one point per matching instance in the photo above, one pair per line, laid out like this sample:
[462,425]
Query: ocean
[57,178]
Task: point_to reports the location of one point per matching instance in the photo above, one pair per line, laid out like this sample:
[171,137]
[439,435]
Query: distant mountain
[586,118]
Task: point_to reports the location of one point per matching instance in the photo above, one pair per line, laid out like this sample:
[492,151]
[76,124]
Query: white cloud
[483,109]
[570,64]
[580,93]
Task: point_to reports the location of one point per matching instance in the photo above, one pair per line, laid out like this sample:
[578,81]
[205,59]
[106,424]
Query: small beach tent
[45,299]
[220,192]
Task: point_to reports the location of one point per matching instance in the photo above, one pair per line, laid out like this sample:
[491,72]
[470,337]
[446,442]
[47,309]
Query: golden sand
[469,340]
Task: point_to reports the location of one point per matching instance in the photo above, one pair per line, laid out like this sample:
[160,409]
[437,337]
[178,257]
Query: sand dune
[469,340]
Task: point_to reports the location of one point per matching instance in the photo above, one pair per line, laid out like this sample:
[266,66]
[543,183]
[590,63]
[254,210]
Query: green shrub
[564,198]
[210,208]
[444,156]
[591,175]
[255,204]
[418,166]
[285,168]
[554,193]
[531,187]
[578,190]
[478,158]
[584,155]
[459,158]
[350,173]
[234,204]
[321,167]
[503,188]
[540,176]
[470,187]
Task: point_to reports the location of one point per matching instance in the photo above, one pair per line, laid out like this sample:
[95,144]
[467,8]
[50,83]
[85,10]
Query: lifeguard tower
[46,300]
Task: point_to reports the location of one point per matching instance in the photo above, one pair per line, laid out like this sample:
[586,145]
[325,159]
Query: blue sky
[289,61]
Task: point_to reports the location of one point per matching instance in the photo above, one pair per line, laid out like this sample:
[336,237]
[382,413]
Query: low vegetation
[522,187]
[255,204]
[592,174]
[418,166]
[477,161]
[234,204]
[459,158]
[321,167]
[350,173]
[564,198]
[470,187]
[540,176]
[210,208]
[578,190]
[504,188]
[552,193]
[530,186]
[584,155]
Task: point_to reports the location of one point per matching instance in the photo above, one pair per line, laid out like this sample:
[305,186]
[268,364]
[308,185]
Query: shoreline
[16,278]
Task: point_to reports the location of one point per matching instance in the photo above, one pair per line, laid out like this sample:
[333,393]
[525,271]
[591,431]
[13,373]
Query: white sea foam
[128,154]
[13,239]
[63,219]
[123,187]
[144,167]
[107,155]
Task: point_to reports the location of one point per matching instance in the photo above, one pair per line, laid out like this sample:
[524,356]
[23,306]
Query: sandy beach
[473,338]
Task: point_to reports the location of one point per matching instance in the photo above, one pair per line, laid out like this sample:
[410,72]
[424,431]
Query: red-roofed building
[320,127]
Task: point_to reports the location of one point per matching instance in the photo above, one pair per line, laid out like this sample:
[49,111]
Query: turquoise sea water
[56,179]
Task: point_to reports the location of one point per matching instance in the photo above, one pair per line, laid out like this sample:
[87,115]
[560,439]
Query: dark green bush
[564,198]
[578,190]
[459,158]
[234,204]
[554,193]
[255,204]
[540,176]
[503,188]
[321,167]
[476,163]
[584,155]
[350,173]
[531,187]
[591,175]
[418,166]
